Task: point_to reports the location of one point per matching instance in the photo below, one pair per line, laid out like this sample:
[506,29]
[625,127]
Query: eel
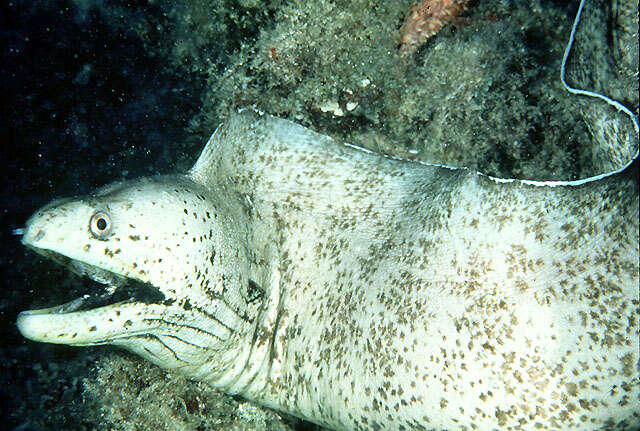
[358,291]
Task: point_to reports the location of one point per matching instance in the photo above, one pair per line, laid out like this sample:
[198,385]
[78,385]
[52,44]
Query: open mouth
[105,288]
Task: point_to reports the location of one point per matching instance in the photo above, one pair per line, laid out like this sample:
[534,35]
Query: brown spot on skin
[629,368]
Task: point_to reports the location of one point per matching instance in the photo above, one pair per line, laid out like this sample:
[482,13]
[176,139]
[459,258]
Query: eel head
[168,278]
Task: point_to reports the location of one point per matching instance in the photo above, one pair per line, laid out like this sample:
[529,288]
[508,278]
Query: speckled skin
[365,293]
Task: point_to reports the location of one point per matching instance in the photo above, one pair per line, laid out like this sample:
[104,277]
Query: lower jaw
[67,324]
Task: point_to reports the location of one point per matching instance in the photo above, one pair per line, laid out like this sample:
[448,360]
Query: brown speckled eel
[361,292]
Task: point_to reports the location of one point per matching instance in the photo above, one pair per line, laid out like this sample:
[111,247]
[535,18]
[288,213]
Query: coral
[425,19]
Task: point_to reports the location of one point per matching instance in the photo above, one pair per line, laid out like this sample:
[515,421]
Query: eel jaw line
[95,318]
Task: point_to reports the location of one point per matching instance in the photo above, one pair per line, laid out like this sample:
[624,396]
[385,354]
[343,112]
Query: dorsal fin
[241,135]
[245,131]
[207,165]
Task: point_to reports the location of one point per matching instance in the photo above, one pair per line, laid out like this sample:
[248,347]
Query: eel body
[361,292]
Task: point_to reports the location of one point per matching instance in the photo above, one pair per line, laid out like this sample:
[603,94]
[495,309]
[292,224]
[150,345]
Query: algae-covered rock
[132,395]
[483,93]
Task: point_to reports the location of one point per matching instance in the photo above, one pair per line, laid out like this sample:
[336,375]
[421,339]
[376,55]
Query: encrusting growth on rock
[425,19]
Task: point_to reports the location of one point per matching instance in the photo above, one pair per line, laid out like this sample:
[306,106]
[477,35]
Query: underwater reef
[96,91]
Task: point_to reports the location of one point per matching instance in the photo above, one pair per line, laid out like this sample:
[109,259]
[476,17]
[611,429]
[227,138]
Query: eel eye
[100,224]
